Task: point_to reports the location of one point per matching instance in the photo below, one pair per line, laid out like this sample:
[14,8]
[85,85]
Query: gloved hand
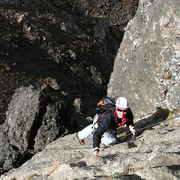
[96,151]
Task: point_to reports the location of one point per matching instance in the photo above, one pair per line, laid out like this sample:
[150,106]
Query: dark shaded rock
[60,46]
[34,119]
[55,62]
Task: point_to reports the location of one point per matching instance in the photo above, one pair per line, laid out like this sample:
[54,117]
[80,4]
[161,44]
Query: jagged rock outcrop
[153,155]
[146,68]
[55,61]
[48,116]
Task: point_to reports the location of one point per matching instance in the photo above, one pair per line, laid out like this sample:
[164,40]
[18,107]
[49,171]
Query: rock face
[56,58]
[153,155]
[52,64]
[146,68]
[74,44]
[46,118]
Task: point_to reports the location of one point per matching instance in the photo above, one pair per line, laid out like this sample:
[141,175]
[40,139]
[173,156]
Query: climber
[104,130]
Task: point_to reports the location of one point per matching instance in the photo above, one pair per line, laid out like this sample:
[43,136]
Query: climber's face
[121,112]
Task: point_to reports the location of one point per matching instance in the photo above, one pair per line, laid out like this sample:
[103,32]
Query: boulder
[35,118]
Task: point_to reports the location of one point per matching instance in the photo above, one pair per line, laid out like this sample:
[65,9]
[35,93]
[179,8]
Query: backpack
[105,104]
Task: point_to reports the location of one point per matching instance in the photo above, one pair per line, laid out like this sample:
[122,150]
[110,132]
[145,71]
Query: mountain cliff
[47,93]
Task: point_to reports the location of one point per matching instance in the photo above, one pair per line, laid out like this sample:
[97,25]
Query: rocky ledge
[153,155]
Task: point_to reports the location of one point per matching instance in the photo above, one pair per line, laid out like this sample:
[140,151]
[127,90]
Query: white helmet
[122,102]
